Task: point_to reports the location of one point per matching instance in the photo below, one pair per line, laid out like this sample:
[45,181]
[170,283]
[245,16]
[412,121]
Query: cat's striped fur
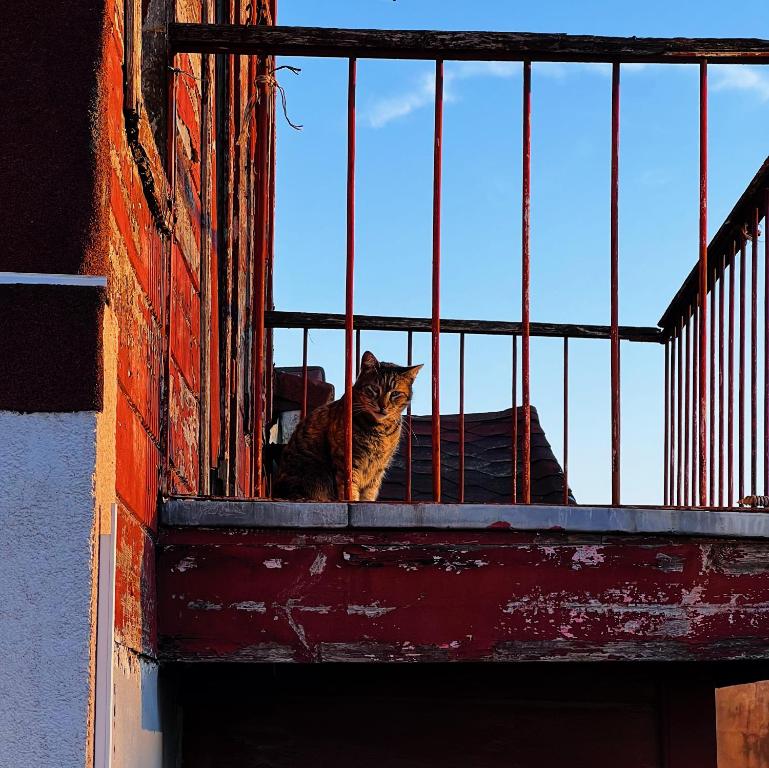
[313,462]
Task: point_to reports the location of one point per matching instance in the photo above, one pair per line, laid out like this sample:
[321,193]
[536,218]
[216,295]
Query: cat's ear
[411,373]
[368,362]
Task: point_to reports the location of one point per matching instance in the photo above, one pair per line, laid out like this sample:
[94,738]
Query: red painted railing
[698,450]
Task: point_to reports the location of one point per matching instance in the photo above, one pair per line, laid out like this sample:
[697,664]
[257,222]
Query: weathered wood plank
[481,46]
[721,245]
[257,595]
[487,327]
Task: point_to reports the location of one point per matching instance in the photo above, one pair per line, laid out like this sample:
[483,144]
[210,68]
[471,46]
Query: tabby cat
[313,462]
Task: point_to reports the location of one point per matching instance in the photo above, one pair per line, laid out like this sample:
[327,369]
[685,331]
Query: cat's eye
[396,397]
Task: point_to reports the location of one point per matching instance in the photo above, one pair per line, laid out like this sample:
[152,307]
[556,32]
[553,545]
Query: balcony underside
[271,581]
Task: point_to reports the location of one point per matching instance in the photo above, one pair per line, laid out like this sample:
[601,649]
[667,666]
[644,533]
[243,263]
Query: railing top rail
[317,320]
[720,245]
[478,46]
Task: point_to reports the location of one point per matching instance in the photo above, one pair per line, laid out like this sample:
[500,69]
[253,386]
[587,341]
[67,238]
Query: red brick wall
[155,263]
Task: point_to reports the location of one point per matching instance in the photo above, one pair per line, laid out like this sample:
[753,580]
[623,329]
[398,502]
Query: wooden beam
[479,46]
[732,228]
[317,320]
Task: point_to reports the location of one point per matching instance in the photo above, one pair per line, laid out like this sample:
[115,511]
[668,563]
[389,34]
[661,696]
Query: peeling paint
[204,605]
[587,556]
[318,564]
[185,564]
[274,562]
[371,611]
[249,605]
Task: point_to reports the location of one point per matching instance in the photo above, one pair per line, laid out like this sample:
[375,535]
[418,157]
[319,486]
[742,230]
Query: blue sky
[481,203]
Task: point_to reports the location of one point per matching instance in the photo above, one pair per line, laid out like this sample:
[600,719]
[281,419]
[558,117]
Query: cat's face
[382,390]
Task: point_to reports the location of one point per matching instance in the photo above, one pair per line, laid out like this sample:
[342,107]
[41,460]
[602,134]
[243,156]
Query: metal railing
[267,41]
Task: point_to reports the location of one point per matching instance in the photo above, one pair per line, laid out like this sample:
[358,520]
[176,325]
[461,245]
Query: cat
[313,464]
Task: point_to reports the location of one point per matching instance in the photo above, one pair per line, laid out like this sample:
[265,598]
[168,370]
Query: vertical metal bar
[695,411]
[357,353]
[525,282]
[304,372]
[515,422]
[673,446]
[409,433]
[615,347]
[565,419]
[766,342]
[721,279]
[680,421]
[703,275]
[436,282]
[741,383]
[461,418]
[666,451]
[350,274]
[712,433]
[687,405]
[754,356]
[730,386]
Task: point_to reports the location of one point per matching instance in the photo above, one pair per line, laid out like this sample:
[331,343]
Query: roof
[488,461]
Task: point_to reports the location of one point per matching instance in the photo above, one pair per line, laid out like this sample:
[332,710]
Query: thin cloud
[738,77]
[422,91]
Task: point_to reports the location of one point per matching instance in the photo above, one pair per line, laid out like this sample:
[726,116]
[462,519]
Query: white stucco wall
[47,465]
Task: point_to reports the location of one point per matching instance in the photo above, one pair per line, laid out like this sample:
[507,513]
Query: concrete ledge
[244,513]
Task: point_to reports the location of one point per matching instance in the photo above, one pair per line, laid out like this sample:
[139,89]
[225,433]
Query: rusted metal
[409,442]
[566,420]
[721,279]
[514,472]
[766,342]
[357,352]
[738,217]
[730,384]
[741,384]
[687,406]
[615,348]
[673,446]
[754,353]
[679,418]
[436,282]
[304,372]
[703,281]
[525,283]
[477,46]
[461,478]
[666,430]
[695,468]
[712,398]
[350,273]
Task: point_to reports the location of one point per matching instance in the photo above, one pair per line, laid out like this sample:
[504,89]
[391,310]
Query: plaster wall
[137,737]
[47,529]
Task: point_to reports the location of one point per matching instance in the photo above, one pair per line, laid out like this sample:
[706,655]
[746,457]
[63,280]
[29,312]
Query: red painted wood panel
[137,464]
[489,595]
[185,322]
[183,431]
[135,601]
